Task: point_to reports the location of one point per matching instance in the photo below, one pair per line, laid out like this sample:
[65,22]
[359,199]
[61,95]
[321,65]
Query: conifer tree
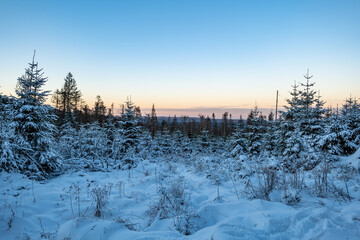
[99,110]
[300,126]
[341,134]
[311,109]
[9,160]
[215,129]
[174,125]
[225,125]
[34,123]
[67,99]
[351,115]
[153,122]
[255,128]
[130,130]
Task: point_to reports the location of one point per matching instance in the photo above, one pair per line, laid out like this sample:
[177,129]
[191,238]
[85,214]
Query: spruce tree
[300,126]
[34,123]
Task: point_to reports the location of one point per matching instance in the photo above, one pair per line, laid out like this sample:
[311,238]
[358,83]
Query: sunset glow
[185,56]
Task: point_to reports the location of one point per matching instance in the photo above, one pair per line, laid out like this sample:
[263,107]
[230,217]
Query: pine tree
[67,99]
[225,125]
[34,123]
[215,130]
[231,125]
[153,122]
[99,110]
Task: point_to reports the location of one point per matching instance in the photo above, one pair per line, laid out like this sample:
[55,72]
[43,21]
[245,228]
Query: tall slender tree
[153,122]
[99,110]
[67,100]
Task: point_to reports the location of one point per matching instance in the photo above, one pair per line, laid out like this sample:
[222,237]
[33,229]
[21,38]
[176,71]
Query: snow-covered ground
[56,209]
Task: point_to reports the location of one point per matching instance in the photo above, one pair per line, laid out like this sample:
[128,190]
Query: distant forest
[69,106]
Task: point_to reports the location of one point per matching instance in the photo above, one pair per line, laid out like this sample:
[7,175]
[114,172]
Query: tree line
[40,140]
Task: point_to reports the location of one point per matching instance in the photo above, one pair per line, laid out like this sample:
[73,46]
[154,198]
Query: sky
[186,57]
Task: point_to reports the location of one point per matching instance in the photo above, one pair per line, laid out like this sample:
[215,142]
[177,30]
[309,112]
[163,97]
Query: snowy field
[194,206]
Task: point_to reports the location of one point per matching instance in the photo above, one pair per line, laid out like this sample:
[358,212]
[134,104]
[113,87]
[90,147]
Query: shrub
[101,196]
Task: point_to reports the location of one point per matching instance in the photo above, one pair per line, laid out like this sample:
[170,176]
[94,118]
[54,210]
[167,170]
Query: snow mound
[353,160]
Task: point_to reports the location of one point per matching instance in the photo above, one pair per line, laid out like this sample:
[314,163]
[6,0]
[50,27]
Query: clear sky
[185,56]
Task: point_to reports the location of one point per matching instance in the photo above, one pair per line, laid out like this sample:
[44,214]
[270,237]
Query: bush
[101,196]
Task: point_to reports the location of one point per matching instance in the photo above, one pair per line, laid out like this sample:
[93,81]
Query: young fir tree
[351,115]
[311,109]
[289,144]
[342,132]
[130,131]
[239,141]
[34,123]
[67,141]
[255,128]
[300,126]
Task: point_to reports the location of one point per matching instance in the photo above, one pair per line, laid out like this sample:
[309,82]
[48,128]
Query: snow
[42,210]
[353,159]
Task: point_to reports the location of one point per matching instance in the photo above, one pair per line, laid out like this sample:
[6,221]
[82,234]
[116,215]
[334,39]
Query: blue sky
[185,54]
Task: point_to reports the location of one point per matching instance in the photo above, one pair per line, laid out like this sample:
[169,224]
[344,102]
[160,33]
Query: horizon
[187,58]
